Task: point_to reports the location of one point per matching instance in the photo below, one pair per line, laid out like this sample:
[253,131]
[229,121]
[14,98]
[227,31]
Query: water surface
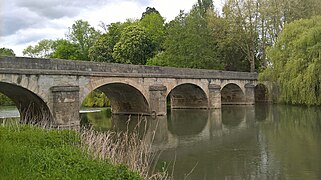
[237,142]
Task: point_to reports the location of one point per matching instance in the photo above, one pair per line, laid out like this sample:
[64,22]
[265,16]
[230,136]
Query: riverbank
[29,152]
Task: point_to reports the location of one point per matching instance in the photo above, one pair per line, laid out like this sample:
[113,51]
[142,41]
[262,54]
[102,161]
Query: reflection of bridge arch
[125,98]
[187,96]
[31,106]
[232,94]
[233,116]
[187,122]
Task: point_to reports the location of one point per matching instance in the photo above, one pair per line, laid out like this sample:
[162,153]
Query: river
[237,142]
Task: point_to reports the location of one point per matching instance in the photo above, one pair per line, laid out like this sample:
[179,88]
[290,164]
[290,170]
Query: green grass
[28,152]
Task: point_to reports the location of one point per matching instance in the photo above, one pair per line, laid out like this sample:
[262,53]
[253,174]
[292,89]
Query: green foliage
[64,49]
[134,46]
[153,23]
[83,36]
[28,152]
[296,62]
[6,52]
[103,48]
[96,99]
[242,17]
[99,121]
[43,49]
[5,101]
[228,43]
[189,43]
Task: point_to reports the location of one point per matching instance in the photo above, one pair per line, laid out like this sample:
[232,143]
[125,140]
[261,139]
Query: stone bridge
[56,88]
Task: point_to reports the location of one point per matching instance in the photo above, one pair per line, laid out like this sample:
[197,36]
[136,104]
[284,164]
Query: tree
[153,23]
[6,52]
[243,18]
[228,44]
[64,49]
[84,36]
[134,46]
[103,48]
[43,49]
[296,62]
[189,43]
[148,11]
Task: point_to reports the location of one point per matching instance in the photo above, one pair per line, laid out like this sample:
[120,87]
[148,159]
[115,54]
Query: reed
[118,148]
[124,148]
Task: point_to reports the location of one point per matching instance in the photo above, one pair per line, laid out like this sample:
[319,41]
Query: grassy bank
[28,152]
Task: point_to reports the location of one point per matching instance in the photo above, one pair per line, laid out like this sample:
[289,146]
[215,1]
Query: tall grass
[30,152]
[109,151]
[126,148]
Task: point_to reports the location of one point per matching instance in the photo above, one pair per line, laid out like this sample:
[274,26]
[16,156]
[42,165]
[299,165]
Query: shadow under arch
[31,107]
[187,96]
[125,99]
[232,94]
[183,122]
[261,93]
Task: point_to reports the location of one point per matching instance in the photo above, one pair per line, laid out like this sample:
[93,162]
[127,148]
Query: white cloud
[25,22]
[112,12]
[170,9]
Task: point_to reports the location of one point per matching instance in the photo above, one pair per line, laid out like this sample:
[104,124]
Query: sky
[26,22]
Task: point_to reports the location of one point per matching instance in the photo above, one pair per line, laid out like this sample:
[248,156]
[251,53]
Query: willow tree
[296,62]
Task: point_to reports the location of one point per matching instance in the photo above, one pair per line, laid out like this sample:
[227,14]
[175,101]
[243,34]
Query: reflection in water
[261,142]
[232,116]
[9,112]
[276,142]
[294,141]
[187,122]
[100,120]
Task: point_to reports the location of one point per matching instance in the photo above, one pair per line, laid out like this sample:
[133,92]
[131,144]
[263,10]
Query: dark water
[261,142]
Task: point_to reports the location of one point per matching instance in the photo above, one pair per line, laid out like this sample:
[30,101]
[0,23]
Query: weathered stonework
[60,86]
[157,100]
[65,105]
[214,96]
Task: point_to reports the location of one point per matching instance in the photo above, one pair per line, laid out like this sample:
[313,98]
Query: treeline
[236,39]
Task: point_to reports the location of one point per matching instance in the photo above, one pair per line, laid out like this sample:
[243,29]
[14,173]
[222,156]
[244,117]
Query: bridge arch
[124,97]
[232,94]
[187,96]
[31,106]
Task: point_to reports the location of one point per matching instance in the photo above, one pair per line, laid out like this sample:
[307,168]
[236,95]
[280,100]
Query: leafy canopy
[134,46]
[296,62]
[6,52]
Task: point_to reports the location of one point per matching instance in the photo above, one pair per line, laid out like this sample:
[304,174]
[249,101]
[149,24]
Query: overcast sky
[25,22]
